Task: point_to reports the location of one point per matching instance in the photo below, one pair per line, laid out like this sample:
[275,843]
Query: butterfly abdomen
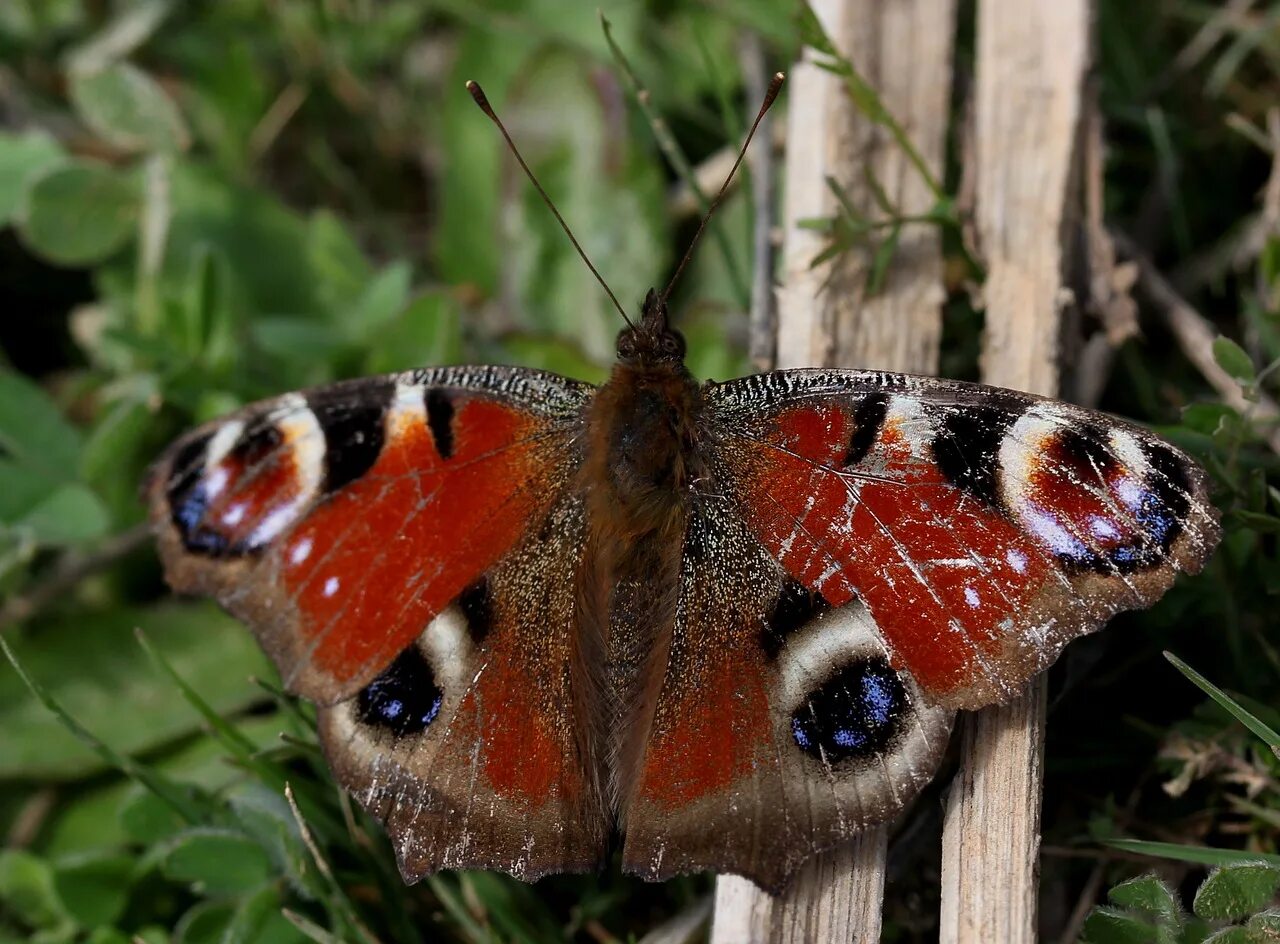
[644,428]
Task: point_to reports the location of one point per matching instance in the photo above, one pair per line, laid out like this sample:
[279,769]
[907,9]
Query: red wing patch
[390,550]
[937,570]
[981,534]
[340,522]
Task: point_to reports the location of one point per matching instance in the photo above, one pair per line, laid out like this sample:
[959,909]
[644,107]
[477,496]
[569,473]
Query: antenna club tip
[478,94]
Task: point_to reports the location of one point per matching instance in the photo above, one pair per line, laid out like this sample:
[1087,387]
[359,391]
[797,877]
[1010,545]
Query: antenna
[769,96]
[482,100]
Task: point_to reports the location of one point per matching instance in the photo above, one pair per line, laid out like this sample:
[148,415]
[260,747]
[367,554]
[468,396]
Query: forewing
[982,528]
[780,727]
[340,522]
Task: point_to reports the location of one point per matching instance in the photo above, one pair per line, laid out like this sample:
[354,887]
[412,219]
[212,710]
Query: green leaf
[265,815]
[882,259]
[216,861]
[145,818]
[1147,893]
[24,157]
[299,340]
[1269,736]
[70,515]
[382,299]
[1235,891]
[79,214]
[1202,855]
[340,269]
[258,920]
[100,675]
[1265,927]
[27,889]
[206,923]
[33,430]
[94,888]
[117,436]
[1209,418]
[1110,926]
[1231,936]
[428,332]
[1232,358]
[129,109]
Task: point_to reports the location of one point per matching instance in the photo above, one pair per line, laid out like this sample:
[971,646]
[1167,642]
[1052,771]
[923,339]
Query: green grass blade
[227,733]
[126,765]
[1248,719]
[1201,855]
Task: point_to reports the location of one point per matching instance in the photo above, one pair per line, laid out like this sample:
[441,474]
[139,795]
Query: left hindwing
[982,528]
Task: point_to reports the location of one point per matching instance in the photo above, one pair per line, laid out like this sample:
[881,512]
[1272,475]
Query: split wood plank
[827,318]
[1032,59]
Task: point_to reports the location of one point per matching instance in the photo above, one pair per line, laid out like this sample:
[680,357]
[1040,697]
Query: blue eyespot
[404,699]
[856,713]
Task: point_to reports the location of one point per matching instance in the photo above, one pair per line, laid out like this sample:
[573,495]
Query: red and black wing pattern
[391,542]
[982,528]
[470,746]
[780,727]
[868,551]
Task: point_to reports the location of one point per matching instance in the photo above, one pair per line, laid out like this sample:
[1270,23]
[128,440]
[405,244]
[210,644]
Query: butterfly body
[730,622]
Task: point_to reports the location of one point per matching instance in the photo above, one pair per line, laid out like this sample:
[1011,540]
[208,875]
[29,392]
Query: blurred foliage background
[204,203]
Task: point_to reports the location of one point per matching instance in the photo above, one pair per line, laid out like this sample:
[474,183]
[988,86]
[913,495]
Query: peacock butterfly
[728,621]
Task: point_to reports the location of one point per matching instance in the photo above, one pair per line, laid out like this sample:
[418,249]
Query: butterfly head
[653,340]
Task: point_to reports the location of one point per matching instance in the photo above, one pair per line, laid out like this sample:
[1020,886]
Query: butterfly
[728,622]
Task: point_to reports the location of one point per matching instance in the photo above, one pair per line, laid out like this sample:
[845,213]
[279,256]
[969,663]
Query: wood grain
[826,318]
[1031,64]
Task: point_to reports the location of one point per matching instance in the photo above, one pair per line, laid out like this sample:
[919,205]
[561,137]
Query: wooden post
[825,318]
[1031,63]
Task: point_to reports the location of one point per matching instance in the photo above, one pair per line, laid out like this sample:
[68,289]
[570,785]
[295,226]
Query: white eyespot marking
[303,444]
[1128,450]
[1050,532]
[331,586]
[215,482]
[408,408]
[1131,492]
[301,551]
[223,441]
[908,416]
[234,515]
[971,597]
[1017,560]
[1103,528]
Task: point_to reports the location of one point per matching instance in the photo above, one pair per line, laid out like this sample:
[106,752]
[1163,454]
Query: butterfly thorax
[644,431]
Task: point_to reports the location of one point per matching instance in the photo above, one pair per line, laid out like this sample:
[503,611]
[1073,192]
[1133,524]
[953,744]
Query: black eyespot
[795,607]
[967,446]
[188,500]
[855,714]
[353,432]
[404,699]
